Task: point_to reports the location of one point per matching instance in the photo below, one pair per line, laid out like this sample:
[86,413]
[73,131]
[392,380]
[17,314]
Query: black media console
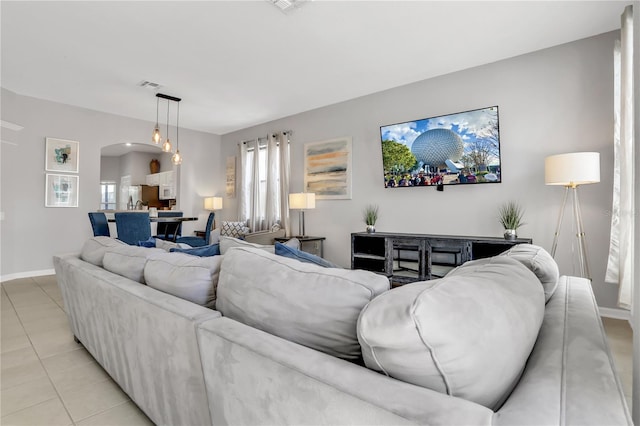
[406,258]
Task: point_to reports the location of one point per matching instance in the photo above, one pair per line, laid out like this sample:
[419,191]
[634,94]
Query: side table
[313,245]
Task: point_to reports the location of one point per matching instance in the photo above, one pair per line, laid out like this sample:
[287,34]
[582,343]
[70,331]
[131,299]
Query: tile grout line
[38,355]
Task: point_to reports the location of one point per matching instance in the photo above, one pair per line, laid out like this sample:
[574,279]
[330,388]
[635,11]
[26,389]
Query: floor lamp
[572,170]
[301,201]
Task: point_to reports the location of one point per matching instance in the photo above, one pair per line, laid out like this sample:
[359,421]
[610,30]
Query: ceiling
[240,63]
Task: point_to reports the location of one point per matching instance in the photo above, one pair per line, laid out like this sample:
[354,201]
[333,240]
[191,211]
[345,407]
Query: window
[108,195]
[264,181]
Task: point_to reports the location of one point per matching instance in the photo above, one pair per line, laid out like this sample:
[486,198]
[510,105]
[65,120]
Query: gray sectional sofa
[294,343]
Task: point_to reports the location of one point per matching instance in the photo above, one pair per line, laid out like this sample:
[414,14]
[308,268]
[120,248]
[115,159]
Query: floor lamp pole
[301,229]
[580,234]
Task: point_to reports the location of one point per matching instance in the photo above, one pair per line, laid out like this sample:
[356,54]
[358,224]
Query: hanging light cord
[168,105]
[178,128]
[157,107]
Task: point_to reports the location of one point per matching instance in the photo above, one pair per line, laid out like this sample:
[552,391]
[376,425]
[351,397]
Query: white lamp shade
[213,203]
[302,200]
[576,168]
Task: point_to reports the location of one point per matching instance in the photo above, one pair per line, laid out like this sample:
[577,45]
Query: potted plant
[370,217]
[510,215]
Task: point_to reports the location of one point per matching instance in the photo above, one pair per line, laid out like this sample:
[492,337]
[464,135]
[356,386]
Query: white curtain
[264,183]
[621,247]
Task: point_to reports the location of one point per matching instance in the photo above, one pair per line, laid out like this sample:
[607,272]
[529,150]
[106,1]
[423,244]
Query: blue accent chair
[133,227]
[198,241]
[169,230]
[99,224]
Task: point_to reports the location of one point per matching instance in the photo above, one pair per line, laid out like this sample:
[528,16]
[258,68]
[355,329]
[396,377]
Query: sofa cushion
[467,335]
[304,303]
[540,262]
[227,243]
[189,277]
[233,229]
[302,256]
[204,251]
[94,249]
[129,261]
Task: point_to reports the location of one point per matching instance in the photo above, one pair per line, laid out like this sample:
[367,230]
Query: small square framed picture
[61,155]
[61,190]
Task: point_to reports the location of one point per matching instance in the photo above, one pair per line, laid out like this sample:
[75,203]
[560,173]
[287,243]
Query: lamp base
[580,234]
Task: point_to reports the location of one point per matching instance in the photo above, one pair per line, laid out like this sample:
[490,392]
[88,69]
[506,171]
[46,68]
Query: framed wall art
[327,169]
[61,155]
[230,188]
[61,190]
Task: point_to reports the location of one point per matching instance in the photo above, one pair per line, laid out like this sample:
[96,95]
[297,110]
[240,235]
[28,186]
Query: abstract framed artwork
[61,190]
[61,155]
[327,169]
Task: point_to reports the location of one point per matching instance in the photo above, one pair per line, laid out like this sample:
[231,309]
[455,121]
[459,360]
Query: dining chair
[169,230]
[133,227]
[99,224]
[199,241]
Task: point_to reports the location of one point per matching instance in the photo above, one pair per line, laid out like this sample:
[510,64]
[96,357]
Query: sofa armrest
[263,237]
[569,377]
[253,377]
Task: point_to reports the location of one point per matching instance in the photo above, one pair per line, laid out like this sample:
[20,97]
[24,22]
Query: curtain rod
[286,132]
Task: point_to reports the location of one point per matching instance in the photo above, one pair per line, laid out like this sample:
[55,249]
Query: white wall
[30,233]
[552,101]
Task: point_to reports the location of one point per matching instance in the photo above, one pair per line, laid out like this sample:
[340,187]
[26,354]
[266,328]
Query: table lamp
[301,201]
[572,170]
[213,203]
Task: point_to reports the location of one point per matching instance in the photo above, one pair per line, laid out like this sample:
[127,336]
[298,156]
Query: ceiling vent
[149,85]
[287,5]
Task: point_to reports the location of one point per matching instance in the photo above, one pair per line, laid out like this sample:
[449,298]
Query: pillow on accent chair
[302,256]
[233,229]
[204,251]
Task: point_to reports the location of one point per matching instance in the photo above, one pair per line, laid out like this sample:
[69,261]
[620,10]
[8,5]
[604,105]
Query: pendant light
[166,146]
[177,158]
[156,138]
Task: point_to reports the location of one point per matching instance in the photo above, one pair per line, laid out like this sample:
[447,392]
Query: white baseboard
[27,274]
[615,313]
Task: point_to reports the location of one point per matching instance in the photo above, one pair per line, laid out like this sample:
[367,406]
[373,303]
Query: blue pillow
[204,251]
[293,253]
[151,242]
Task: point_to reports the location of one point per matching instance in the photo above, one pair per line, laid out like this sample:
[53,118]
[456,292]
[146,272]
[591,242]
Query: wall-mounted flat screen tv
[454,149]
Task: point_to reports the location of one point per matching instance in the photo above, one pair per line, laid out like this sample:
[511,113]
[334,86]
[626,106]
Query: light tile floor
[48,379]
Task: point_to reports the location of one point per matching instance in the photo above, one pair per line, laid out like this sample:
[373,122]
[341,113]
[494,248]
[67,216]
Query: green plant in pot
[510,215]
[370,217]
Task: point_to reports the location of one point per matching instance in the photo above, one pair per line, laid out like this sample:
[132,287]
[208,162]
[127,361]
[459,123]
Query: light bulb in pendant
[156,135]
[176,158]
[166,146]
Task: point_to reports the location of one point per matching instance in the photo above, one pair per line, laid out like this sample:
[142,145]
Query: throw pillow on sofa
[227,243]
[540,262]
[313,306]
[233,229]
[94,249]
[302,256]
[204,251]
[129,261]
[189,277]
[468,335]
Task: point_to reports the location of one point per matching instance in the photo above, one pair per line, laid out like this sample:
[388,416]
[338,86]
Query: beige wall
[552,101]
[31,234]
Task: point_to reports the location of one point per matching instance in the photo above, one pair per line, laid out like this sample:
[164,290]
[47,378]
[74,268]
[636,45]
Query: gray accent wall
[31,234]
[552,101]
